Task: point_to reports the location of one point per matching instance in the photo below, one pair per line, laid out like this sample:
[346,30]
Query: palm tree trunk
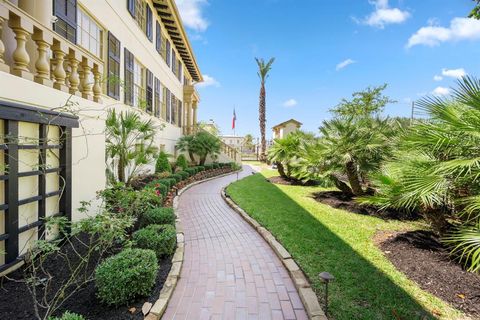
[262,120]
[192,157]
[342,186]
[281,170]
[353,178]
[121,170]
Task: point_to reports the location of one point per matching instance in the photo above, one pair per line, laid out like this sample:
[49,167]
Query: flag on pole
[234,119]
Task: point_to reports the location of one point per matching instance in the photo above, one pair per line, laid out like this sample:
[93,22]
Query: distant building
[281,130]
[233,141]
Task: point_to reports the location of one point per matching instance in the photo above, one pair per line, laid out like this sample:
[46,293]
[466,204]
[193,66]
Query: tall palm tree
[263,70]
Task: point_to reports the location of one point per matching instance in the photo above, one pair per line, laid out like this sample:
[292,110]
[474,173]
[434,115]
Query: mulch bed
[289,182]
[423,259]
[339,200]
[16,302]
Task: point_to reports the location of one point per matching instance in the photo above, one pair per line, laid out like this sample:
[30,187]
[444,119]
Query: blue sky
[325,50]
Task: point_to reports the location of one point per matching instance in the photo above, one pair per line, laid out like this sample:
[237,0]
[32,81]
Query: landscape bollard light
[237,175]
[326,278]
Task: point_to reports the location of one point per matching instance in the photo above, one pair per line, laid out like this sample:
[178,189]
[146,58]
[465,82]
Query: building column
[194,106]
[188,109]
[42,10]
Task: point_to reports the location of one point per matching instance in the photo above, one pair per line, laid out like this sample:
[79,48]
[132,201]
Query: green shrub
[121,198]
[216,165]
[68,316]
[181,162]
[184,174]
[191,171]
[177,177]
[159,238]
[200,168]
[162,164]
[125,276]
[158,216]
[166,182]
[173,182]
[209,166]
[161,187]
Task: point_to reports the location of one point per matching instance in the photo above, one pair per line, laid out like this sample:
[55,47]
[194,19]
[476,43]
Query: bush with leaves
[158,216]
[68,316]
[191,171]
[162,164]
[181,162]
[185,175]
[209,166]
[125,156]
[123,199]
[122,278]
[160,238]
[177,177]
[202,144]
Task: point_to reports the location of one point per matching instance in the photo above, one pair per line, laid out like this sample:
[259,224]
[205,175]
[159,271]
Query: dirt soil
[339,200]
[423,259]
[288,182]
[16,301]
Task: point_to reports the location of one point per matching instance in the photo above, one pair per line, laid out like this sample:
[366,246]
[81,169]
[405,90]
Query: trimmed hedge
[166,182]
[162,164]
[173,182]
[157,185]
[216,166]
[191,171]
[200,168]
[158,216]
[160,238]
[209,166]
[177,177]
[181,162]
[185,175]
[125,276]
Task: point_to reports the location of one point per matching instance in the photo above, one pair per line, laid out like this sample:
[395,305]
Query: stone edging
[308,297]
[160,305]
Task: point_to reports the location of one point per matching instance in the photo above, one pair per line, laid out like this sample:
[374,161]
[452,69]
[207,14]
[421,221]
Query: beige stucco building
[281,130]
[63,65]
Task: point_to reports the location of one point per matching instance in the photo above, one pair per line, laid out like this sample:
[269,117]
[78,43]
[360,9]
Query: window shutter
[129,70]
[131,7]
[149,91]
[168,54]
[180,114]
[158,37]
[168,106]
[158,92]
[113,73]
[174,62]
[174,109]
[180,70]
[148,26]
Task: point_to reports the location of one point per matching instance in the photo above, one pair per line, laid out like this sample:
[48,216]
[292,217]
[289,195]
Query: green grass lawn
[321,238]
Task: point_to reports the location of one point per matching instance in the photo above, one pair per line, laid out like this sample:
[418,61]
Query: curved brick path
[229,271]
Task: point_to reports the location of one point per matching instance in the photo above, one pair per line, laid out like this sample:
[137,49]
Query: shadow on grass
[361,290]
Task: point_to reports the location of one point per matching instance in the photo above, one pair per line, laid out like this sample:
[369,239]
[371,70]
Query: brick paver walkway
[229,271]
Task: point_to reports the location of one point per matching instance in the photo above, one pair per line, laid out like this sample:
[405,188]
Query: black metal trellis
[12,115]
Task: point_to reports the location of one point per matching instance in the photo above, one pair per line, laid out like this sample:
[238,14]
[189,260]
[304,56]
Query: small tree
[263,70]
[129,143]
[206,145]
[181,162]
[475,13]
[163,165]
[186,144]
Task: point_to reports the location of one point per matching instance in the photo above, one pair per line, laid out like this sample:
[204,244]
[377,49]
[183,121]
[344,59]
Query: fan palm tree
[263,70]
[129,143]
[186,144]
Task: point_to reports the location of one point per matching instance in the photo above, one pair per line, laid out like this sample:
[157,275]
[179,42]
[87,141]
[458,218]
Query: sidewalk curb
[305,291]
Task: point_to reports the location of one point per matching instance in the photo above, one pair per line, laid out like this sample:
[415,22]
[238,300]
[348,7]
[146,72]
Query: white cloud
[434,35]
[208,81]
[441,91]
[437,78]
[454,73]
[290,103]
[384,15]
[191,12]
[344,64]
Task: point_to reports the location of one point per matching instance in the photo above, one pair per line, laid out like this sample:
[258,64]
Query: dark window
[131,7]
[158,101]
[167,105]
[66,24]
[174,62]
[168,54]
[129,70]
[158,37]
[180,114]
[173,113]
[148,23]
[180,70]
[149,91]
[113,89]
